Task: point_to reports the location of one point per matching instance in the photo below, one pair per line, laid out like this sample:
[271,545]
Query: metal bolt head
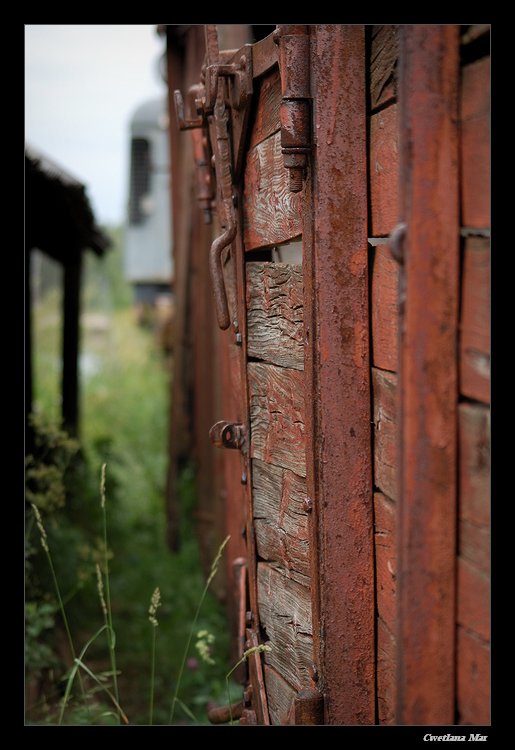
[308,504]
[239,339]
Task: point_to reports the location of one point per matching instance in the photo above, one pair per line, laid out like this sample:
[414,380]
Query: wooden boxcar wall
[473,575]
[276,354]
[472,659]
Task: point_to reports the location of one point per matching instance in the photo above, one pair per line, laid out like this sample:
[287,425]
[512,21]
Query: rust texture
[224,714]
[293,41]
[428,97]
[309,707]
[340,449]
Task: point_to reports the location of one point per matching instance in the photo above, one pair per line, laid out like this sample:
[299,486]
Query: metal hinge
[295,112]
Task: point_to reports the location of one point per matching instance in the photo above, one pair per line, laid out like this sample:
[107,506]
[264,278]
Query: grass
[124,411]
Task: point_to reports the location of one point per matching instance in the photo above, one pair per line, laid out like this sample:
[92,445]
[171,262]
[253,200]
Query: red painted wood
[277,416]
[473,599]
[385,559]
[474,468]
[384,308]
[384,392]
[267,120]
[384,171]
[386,674]
[383,64]
[475,320]
[428,99]
[473,679]
[341,389]
[271,213]
[475,144]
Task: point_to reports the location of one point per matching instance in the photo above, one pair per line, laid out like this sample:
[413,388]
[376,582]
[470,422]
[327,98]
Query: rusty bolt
[397,240]
[244,475]
[308,504]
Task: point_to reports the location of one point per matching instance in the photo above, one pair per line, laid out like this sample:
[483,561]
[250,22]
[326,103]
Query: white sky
[82,85]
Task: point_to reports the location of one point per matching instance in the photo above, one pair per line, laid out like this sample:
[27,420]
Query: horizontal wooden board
[280,518]
[386,674]
[271,212]
[384,300]
[384,171]
[384,52]
[473,599]
[276,397]
[473,679]
[475,144]
[275,314]
[475,320]
[384,387]
[267,120]
[285,615]
[385,558]
[474,466]
[280,697]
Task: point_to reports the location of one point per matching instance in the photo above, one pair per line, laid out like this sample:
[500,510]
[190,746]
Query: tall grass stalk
[46,548]
[111,635]
[78,662]
[212,573]
[155,602]
[253,650]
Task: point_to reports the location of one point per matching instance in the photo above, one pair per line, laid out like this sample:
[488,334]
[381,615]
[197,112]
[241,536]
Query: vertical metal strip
[429,70]
[341,443]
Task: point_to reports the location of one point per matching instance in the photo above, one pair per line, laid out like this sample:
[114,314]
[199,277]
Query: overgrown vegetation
[124,412]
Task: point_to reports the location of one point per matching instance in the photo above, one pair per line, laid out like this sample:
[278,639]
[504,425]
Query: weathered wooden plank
[473,679]
[264,54]
[474,545]
[474,464]
[285,615]
[475,320]
[384,308]
[280,519]
[384,52]
[276,397]
[267,120]
[473,599]
[280,697]
[384,387]
[385,540]
[271,213]
[384,171]
[386,678]
[475,144]
[275,319]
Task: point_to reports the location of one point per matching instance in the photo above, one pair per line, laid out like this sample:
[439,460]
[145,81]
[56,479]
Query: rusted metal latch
[226,87]
[227,435]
